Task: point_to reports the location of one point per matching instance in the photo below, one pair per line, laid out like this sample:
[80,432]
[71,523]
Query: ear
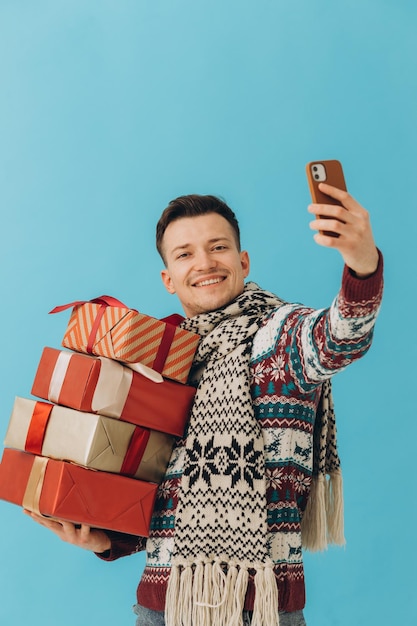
[166,279]
[245,262]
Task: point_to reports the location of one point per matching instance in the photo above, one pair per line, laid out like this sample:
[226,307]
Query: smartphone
[330,172]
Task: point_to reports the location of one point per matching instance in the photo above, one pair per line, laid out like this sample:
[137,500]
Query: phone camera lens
[316,176]
[315,168]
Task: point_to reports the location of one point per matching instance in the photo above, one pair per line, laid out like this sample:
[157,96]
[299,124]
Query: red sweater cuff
[356,289]
[121,545]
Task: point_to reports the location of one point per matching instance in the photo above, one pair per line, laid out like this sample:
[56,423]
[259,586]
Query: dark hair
[194,205]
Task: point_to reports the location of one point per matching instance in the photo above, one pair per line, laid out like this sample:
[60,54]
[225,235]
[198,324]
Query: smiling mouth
[209,282]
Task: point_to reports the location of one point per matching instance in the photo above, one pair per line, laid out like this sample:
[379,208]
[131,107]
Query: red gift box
[69,492]
[104,386]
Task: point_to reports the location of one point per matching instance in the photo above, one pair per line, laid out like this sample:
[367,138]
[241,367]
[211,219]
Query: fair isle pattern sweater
[293,353]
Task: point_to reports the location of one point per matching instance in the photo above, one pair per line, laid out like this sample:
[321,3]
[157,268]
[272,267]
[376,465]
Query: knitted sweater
[293,352]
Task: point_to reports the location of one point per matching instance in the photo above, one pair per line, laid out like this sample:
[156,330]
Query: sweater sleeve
[121,545]
[328,340]
[306,346]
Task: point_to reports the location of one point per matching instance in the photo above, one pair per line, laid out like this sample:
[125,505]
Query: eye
[220,247]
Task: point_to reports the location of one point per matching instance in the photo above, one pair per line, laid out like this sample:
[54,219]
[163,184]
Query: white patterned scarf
[221,518]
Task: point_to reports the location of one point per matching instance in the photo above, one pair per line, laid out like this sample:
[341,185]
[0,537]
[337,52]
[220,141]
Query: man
[246,487]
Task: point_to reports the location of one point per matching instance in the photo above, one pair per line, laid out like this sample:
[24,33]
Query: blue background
[108,110]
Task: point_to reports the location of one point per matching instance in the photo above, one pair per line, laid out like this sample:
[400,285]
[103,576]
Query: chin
[219,303]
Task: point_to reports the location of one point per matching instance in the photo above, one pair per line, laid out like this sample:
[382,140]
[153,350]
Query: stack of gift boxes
[96,449]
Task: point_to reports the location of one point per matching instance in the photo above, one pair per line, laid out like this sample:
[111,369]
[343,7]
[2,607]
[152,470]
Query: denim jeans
[147,617]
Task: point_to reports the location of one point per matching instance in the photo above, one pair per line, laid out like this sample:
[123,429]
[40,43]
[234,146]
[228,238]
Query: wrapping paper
[104,386]
[106,327]
[69,492]
[88,439]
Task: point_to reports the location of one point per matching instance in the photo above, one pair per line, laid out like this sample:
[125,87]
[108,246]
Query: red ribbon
[171,323]
[163,348]
[37,427]
[135,451]
[175,319]
[94,329]
[103,300]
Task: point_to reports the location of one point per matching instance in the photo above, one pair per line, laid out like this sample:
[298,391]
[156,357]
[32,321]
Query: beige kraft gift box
[88,439]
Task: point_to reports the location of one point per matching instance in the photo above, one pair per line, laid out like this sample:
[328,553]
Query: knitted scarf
[221,518]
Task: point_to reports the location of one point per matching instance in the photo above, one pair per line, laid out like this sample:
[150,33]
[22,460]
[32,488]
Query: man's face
[204,266]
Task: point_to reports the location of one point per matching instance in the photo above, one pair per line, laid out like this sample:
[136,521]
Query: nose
[204,261]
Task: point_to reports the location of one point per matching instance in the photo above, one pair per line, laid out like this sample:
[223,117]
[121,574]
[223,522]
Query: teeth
[212,281]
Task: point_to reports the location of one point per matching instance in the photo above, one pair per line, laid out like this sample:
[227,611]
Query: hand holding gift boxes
[105,417]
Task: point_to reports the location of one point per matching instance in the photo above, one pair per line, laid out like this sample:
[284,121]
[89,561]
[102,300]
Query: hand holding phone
[331,173]
[356,243]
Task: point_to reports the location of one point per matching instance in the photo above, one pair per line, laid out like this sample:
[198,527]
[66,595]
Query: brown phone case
[329,172]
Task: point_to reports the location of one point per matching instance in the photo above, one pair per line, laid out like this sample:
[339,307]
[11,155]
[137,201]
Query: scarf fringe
[265,608]
[322,522]
[206,594]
